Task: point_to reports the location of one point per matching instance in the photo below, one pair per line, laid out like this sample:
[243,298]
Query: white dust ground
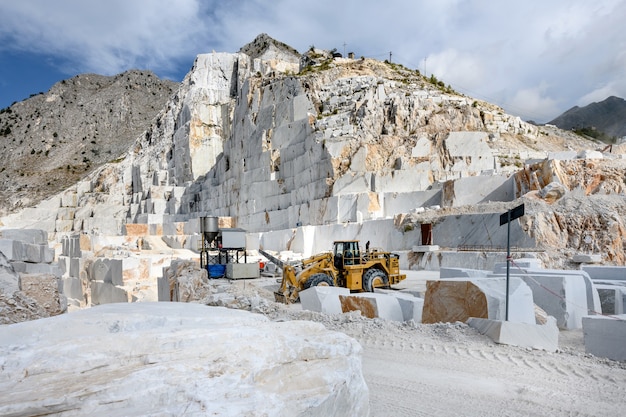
[449,369]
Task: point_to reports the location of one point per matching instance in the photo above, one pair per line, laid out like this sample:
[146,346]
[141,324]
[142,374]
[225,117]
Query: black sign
[512,214]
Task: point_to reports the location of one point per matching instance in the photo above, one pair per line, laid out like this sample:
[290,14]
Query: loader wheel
[318,279]
[374,278]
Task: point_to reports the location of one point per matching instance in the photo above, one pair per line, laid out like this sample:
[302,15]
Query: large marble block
[612,298]
[476,190]
[395,203]
[402,181]
[448,272]
[565,297]
[535,336]
[176,359]
[105,293]
[452,300]
[468,144]
[410,305]
[351,183]
[12,249]
[76,267]
[134,229]
[568,295]
[35,236]
[33,253]
[372,305]
[604,336]
[38,268]
[605,272]
[107,270]
[72,288]
[70,246]
[323,299]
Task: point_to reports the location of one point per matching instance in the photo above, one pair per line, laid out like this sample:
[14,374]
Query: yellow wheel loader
[346,266]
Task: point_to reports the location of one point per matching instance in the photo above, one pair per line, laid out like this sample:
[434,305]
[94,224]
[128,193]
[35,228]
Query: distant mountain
[608,117]
[49,141]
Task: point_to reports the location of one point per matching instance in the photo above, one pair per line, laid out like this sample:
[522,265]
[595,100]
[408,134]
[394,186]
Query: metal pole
[508,262]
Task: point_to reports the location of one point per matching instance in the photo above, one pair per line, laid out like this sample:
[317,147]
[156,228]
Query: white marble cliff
[244,139]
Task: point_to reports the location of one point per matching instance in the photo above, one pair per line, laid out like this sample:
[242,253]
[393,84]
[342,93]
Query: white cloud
[105,37]
[459,68]
[598,94]
[533,104]
[550,55]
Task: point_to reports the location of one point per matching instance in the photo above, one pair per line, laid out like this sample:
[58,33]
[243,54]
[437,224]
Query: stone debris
[186,281]
[27,290]
[44,289]
[18,307]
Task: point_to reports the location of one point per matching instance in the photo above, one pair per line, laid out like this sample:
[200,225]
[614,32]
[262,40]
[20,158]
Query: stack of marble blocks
[28,251]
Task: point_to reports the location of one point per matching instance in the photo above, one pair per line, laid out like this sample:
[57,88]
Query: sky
[536,59]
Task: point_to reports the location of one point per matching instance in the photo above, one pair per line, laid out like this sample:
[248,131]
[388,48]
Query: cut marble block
[535,336]
[605,336]
[372,305]
[452,300]
[323,299]
[410,305]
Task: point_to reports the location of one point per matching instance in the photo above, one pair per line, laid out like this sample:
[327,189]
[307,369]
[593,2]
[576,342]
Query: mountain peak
[606,116]
[264,43]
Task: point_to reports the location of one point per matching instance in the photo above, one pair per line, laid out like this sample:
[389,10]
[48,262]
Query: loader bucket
[289,296]
[279,297]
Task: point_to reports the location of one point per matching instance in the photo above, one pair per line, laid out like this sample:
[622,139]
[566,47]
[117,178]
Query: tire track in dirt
[549,366]
[449,369]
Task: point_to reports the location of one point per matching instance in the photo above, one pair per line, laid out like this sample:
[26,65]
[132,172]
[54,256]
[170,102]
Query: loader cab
[346,253]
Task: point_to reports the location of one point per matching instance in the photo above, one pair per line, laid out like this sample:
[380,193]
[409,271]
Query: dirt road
[449,369]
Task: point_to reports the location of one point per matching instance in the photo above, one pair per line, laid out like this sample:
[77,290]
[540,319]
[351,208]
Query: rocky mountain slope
[51,140]
[278,140]
[607,116]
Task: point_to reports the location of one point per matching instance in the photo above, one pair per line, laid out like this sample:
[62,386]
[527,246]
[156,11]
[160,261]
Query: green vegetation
[310,69]
[441,85]
[592,132]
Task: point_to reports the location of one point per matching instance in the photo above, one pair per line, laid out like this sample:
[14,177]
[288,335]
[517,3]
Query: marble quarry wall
[346,151]
[273,152]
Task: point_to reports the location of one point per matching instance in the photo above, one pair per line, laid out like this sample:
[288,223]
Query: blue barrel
[216,271]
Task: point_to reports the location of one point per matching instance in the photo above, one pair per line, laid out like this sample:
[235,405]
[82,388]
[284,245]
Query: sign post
[506,218]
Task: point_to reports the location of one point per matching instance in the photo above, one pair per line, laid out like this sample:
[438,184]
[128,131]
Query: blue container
[216,271]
